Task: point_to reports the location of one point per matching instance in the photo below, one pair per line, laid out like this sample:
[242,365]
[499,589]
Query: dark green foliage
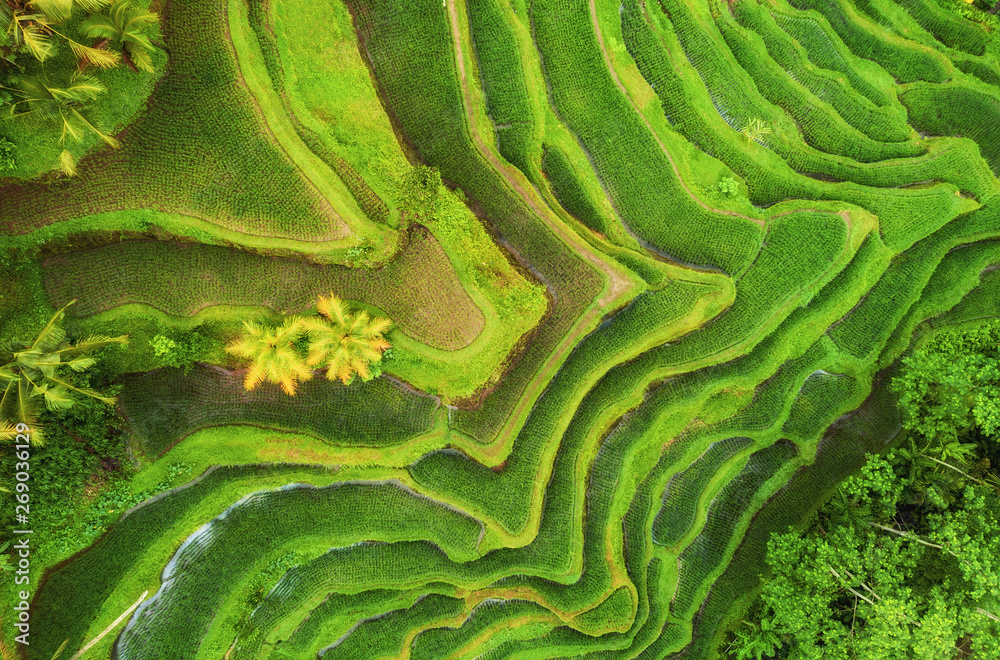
[950,389]
[7,153]
[84,446]
[858,587]
[164,406]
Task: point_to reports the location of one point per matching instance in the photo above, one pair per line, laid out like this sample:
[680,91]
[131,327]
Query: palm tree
[345,343]
[273,354]
[122,26]
[32,370]
[755,130]
[65,105]
[31,24]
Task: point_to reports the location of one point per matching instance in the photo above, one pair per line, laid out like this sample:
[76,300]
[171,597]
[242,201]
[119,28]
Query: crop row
[164,406]
[367,199]
[412,56]
[502,78]
[637,174]
[419,290]
[957,109]
[210,563]
[905,60]
[886,123]
[225,166]
[75,592]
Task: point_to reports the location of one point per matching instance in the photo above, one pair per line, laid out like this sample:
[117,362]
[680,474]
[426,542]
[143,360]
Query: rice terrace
[499,329]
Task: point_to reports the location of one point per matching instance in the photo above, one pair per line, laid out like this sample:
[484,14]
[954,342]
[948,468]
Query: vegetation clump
[345,343]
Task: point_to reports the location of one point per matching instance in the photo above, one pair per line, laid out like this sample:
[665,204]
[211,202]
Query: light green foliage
[123,25]
[950,386]
[162,345]
[728,186]
[857,587]
[755,130]
[63,104]
[182,349]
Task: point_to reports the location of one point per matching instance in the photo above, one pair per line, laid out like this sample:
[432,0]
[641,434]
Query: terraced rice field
[705,368]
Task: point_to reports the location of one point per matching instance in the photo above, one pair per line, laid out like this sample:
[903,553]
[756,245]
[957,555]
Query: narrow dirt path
[617,282]
[663,147]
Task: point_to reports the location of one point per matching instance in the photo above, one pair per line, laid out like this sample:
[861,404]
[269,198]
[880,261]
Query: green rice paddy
[631,337]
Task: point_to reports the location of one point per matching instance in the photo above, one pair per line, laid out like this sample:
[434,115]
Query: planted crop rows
[808,187]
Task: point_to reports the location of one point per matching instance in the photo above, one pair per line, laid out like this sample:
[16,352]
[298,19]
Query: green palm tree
[122,26]
[272,353]
[65,106]
[31,24]
[344,343]
[756,130]
[33,371]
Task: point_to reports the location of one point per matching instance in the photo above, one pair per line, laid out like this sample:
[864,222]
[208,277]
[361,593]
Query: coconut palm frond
[54,10]
[8,430]
[34,39]
[102,59]
[334,308]
[67,163]
[7,373]
[254,377]
[86,391]
[81,364]
[58,398]
[142,59]
[93,5]
[62,647]
[91,343]
[377,326]
[99,27]
[52,335]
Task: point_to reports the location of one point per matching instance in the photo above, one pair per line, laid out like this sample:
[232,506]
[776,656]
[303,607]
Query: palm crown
[344,343]
[32,370]
[32,23]
[64,105]
[272,353]
[122,25]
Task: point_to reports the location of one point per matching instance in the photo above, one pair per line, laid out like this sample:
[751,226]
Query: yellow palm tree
[272,354]
[345,344]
